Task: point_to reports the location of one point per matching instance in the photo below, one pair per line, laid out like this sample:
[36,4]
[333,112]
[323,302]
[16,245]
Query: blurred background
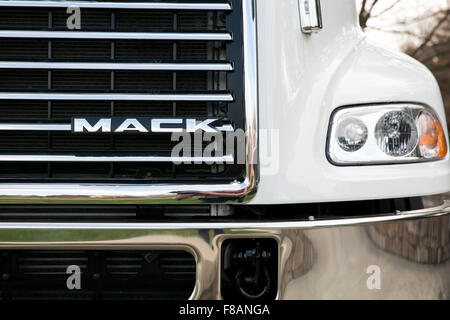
[420,28]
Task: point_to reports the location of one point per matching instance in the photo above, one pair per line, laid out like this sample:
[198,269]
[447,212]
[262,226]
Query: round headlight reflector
[351,134]
[396,133]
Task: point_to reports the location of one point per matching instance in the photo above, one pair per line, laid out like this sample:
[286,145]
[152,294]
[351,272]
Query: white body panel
[303,78]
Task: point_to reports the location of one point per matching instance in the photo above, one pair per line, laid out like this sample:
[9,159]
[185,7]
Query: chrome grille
[130,59]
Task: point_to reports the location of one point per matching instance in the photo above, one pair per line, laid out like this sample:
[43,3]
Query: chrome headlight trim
[370,153]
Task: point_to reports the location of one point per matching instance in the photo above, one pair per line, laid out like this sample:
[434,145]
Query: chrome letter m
[82,125]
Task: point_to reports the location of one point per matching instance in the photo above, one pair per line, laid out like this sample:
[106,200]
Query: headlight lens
[383,134]
[396,133]
[351,134]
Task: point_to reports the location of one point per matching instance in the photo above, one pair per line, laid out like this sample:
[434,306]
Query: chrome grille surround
[240,190]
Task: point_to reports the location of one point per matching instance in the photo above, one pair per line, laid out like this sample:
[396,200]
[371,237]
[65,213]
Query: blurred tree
[429,37]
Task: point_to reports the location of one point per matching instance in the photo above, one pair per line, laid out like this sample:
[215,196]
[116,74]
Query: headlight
[396,133]
[383,134]
[351,134]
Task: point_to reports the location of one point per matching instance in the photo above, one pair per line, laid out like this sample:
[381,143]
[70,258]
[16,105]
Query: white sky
[406,10]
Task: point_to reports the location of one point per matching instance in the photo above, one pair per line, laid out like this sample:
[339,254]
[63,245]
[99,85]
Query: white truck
[216,149]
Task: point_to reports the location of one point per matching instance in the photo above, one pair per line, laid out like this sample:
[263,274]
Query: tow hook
[249,269]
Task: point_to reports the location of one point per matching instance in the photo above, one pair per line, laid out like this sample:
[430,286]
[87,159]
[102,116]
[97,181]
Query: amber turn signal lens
[432,138]
[441,141]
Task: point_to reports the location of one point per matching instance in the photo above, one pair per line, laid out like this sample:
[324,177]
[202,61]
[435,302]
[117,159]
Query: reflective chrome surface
[317,259]
[143,158]
[116,66]
[115,96]
[116,35]
[144,125]
[35,126]
[310,15]
[100,193]
[118,5]
[237,191]
[251,97]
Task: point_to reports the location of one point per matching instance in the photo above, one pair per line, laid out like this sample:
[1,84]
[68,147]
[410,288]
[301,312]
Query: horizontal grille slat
[100,50]
[116,96]
[114,158]
[116,66]
[34,127]
[65,110]
[120,5]
[116,35]
[156,59]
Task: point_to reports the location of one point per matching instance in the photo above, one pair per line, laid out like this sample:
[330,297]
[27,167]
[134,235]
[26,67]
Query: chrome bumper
[326,259]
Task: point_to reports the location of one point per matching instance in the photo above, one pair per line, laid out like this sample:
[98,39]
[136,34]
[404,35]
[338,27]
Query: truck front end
[240,149]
